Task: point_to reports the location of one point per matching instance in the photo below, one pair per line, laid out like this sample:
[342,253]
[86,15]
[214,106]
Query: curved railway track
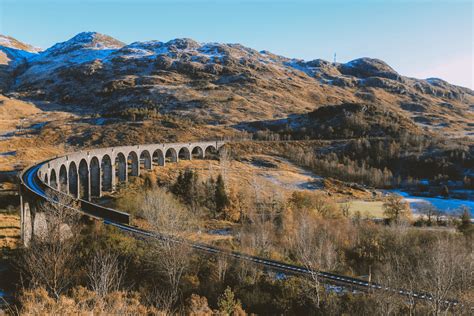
[31,182]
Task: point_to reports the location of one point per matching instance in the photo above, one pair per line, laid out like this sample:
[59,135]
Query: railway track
[31,182]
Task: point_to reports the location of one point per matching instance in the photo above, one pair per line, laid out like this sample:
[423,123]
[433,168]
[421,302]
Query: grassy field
[371,209]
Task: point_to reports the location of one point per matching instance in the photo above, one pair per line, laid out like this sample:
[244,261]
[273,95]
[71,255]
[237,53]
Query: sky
[418,38]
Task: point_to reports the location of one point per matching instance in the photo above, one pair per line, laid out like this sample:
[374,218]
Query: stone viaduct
[87,174]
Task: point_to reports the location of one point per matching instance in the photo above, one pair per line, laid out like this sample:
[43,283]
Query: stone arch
[133,164]
[53,182]
[63,179]
[83,180]
[73,179]
[95,177]
[158,158]
[106,166]
[211,152]
[171,155]
[121,168]
[184,154]
[145,160]
[197,153]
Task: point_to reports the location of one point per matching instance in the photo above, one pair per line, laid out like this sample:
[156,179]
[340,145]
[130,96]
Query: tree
[169,256]
[220,195]
[51,258]
[395,208]
[430,211]
[186,186]
[228,304]
[315,249]
[197,306]
[445,191]
[466,227]
[104,273]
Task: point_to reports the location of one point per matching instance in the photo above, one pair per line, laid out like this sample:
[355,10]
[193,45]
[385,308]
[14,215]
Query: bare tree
[315,249]
[442,269]
[170,255]
[105,273]
[50,259]
[430,211]
[441,273]
[222,264]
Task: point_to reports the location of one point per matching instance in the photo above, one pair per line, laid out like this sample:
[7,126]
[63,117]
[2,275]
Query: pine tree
[177,187]
[227,302]
[220,195]
[186,187]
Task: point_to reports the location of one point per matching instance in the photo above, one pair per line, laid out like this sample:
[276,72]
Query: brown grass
[26,145]
[9,231]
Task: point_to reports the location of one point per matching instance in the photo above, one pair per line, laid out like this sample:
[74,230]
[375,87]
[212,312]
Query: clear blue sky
[419,38]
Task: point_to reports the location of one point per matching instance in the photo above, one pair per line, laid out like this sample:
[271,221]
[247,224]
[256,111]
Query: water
[222,232]
[446,205]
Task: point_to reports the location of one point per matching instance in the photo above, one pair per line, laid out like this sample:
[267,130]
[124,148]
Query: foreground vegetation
[88,267]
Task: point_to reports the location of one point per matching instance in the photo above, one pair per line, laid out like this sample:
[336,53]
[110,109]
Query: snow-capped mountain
[223,82]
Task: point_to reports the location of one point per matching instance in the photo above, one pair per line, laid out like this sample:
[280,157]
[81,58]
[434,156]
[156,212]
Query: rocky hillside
[225,83]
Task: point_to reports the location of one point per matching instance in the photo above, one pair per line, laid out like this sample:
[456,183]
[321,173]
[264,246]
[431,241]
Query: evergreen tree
[186,187]
[177,187]
[220,195]
[228,304]
[209,194]
[466,227]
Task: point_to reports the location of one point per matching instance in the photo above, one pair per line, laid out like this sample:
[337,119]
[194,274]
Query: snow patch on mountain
[84,40]
[5,41]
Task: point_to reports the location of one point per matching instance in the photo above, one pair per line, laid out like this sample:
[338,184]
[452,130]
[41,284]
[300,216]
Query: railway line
[31,182]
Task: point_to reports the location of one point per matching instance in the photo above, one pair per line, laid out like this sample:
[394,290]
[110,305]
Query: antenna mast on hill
[334,59]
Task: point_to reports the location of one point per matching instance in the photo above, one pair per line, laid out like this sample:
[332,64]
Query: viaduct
[88,174]
[85,175]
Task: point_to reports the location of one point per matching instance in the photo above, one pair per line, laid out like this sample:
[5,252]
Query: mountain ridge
[226,83]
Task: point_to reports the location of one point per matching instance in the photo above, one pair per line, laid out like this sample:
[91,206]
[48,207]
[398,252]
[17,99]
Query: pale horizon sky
[418,38]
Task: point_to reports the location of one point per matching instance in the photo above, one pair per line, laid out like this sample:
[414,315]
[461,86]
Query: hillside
[13,54]
[215,83]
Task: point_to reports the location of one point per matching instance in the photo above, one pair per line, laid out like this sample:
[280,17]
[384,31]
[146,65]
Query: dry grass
[277,177]
[20,143]
[9,231]
[370,209]
[13,109]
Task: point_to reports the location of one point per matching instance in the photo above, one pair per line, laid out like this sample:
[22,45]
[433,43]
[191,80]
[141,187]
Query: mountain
[228,83]
[12,54]
[14,50]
